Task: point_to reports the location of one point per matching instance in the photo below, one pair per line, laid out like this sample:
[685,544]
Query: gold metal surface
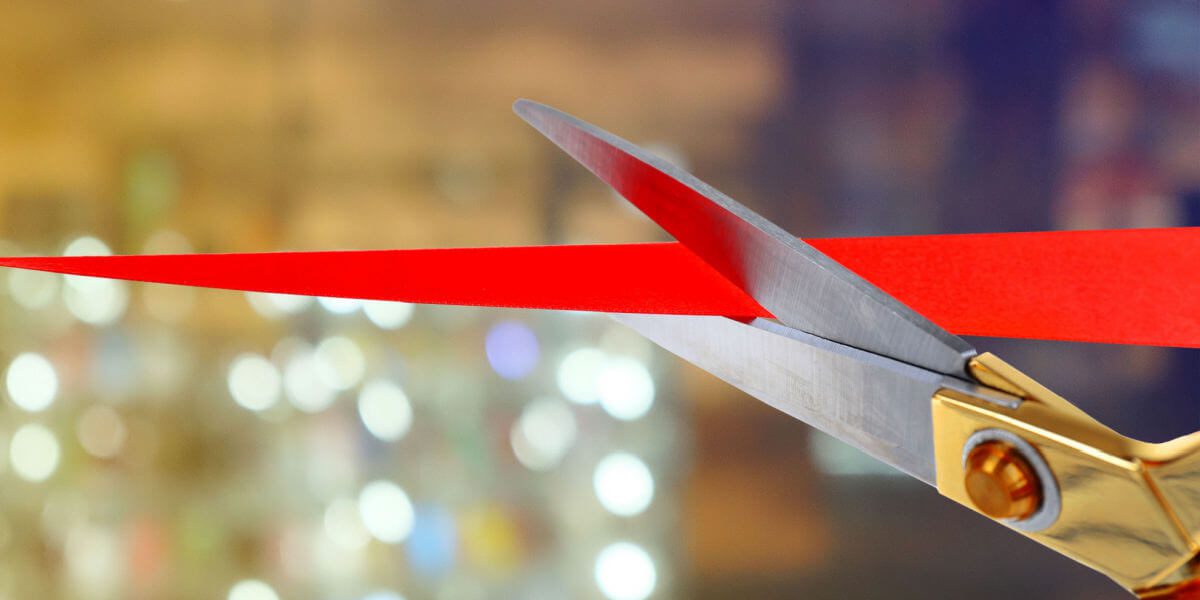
[1188,590]
[1000,483]
[1129,509]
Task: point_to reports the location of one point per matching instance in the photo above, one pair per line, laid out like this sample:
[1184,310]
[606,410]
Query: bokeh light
[339,306]
[386,511]
[623,484]
[277,306]
[85,246]
[101,431]
[384,410]
[344,526]
[625,388]
[31,382]
[252,589]
[290,303]
[579,373]
[624,571]
[339,363]
[34,452]
[543,433]
[92,300]
[99,304]
[93,557]
[512,349]
[305,389]
[388,315]
[254,382]
[32,290]
[433,544]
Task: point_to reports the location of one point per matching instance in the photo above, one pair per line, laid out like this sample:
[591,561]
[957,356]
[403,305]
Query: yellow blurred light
[491,540]
[34,452]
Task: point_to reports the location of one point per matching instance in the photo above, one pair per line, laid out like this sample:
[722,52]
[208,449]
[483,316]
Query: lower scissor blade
[879,405]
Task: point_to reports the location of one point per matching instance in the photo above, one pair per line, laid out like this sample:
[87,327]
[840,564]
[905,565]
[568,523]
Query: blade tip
[534,113]
[526,108]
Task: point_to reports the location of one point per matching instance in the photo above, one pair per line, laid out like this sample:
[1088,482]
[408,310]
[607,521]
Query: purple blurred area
[162,442]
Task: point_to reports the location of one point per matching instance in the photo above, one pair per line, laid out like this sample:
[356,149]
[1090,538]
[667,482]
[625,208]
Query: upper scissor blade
[800,286]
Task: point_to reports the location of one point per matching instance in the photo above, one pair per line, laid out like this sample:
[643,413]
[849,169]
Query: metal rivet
[1050,505]
[1001,483]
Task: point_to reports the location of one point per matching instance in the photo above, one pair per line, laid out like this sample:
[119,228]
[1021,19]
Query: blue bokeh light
[433,544]
[512,349]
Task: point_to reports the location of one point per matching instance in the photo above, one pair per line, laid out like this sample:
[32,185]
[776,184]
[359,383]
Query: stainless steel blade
[879,405]
[800,286]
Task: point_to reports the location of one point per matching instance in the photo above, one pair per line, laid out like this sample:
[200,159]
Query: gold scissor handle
[1187,590]
[1126,508]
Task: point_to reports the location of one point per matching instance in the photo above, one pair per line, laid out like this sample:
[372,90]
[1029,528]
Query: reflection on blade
[800,286]
[879,405]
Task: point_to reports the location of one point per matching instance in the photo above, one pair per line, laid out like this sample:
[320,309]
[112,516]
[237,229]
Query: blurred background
[163,442]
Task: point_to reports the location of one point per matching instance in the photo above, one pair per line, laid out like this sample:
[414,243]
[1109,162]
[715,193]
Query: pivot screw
[1000,482]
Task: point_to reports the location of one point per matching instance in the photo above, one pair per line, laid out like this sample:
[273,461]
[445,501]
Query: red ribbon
[1137,286]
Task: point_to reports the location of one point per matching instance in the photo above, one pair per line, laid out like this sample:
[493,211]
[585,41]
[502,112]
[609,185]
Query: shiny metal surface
[800,286]
[879,405]
[1051,504]
[1126,508]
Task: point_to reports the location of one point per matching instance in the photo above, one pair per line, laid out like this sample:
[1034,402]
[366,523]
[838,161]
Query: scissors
[850,360]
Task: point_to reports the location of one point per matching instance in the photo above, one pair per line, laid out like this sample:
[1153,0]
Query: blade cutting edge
[800,286]
[878,405]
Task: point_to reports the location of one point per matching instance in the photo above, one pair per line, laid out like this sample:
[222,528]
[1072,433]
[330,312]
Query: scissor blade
[877,404]
[800,286]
